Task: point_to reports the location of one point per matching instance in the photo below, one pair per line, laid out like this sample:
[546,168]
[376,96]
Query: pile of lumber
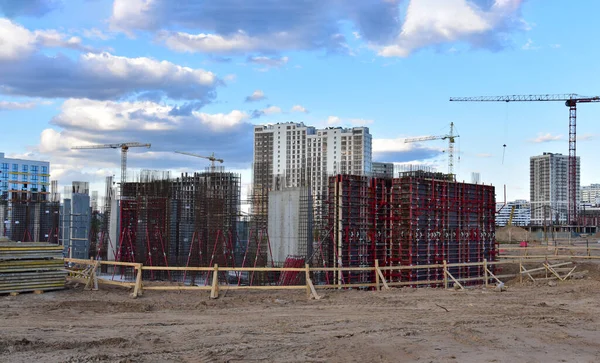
[31,266]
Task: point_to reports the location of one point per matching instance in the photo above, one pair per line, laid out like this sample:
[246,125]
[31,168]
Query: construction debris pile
[31,266]
[420,218]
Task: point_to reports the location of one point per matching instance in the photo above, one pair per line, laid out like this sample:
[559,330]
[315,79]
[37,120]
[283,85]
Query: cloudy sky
[196,75]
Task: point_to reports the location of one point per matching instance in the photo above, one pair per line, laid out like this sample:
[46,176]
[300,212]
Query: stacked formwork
[418,219]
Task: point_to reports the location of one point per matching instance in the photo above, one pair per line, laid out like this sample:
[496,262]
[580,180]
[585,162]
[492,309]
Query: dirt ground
[527,323]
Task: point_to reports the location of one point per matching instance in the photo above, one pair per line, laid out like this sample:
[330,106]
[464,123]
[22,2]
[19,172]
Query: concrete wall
[290,224]
[113,232]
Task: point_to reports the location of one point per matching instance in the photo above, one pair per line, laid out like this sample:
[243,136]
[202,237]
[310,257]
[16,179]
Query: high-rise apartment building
[24,179]
[549,188]
[590,194]
[293,155]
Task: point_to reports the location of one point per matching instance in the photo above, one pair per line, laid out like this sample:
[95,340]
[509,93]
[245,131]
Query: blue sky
[181,75]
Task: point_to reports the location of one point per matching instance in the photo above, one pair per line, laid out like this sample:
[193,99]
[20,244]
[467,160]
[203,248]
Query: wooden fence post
[520,270]
[485,271]
[377,287]
[137,290]
[214,291]
[307,277]
[445,275]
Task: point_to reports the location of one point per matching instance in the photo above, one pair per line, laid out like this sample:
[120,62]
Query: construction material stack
[31,266]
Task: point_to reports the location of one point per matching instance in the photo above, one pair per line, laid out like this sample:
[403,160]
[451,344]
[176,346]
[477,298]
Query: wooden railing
[139,285]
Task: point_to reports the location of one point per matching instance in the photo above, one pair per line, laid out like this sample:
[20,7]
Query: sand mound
[511,234]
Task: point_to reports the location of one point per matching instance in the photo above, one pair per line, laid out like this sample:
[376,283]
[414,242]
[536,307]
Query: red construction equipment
[571,101]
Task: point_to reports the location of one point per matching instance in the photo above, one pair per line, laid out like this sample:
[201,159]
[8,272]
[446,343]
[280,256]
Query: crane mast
[571,100]
[451,140]
[124,149]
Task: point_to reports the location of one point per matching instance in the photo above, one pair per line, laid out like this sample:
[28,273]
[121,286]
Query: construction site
[182,268]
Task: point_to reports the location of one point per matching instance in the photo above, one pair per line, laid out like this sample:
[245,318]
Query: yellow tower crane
[451,139]
[124,148]
[212,159]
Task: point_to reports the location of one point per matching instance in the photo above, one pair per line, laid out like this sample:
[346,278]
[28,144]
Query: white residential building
[549,190]
[590,194]
[24,179]
[293,154]
[521,216]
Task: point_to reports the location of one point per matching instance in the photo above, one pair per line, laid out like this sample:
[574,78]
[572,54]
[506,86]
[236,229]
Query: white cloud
[239,42]
[334,120]
[218,26]
[128,14]
[396,150]
[271,110]
[19,42]
[271,62]
[230,78]
[109,116]
[431,22]
[87,122]
[529,45]
[548,137]
[106,76]
[257,95]
[16,41]
[147,70]
[96,33]
[298,108]
[7,105]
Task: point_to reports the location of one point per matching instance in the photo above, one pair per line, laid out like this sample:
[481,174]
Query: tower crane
[451,139]
[571,100]
[124,148]
[211,158]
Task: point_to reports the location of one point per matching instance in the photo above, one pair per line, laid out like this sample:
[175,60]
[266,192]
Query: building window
[44,170]
[16,167]
[24,178]
[25,168]
[34,169]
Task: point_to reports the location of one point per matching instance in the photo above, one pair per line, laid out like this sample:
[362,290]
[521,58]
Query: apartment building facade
[519,209]
[24,179]
[549,188]
[382,170]
[288,155]
[590,194]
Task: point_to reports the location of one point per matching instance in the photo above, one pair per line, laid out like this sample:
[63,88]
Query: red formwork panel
[417,219]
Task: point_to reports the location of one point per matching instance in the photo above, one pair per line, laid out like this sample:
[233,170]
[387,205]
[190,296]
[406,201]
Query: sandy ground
[527,323]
